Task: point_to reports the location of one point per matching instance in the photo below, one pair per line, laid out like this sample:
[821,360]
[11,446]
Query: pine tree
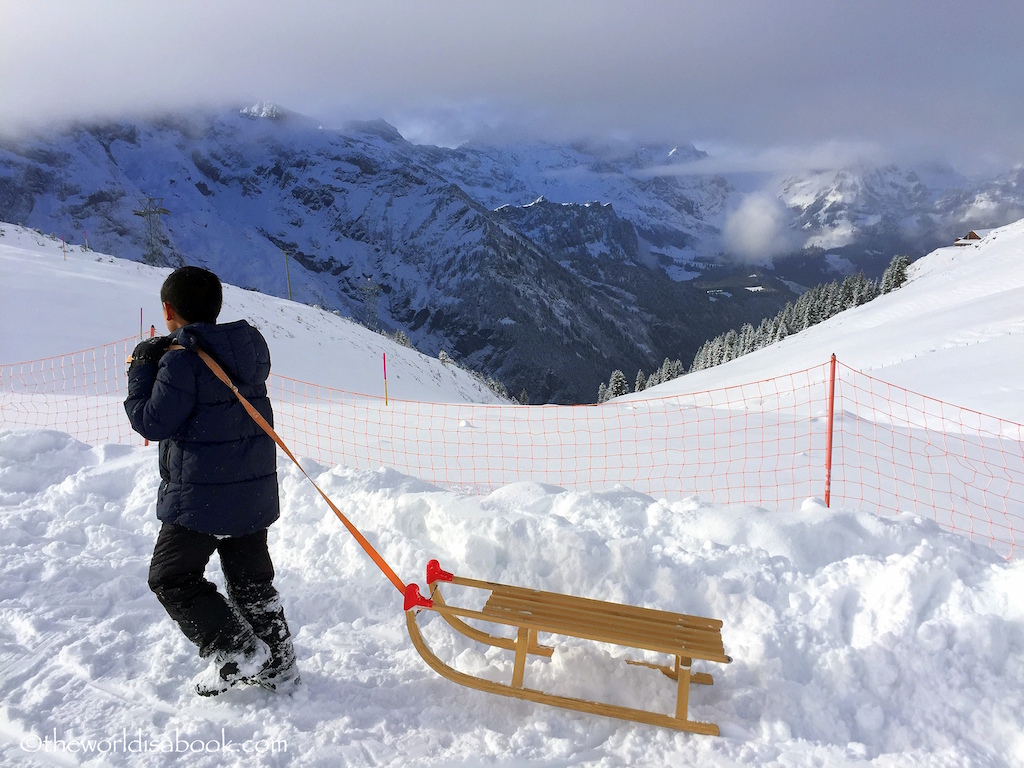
[663,372]
[861,289]
[707,354]
[617,384]
[701,360]
[602,393]
[846,294]
[730,345]
[400,337]
[895,274]
[803,312]
[786,323]
[764,334]
[746,340]
[497,387]
[641,382]
[830,300]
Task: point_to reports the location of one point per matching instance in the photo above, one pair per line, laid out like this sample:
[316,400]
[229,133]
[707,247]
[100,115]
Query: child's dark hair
[194,293]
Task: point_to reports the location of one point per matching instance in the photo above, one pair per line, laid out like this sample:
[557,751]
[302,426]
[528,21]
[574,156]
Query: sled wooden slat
[591,624]
[530,612]
[701,678]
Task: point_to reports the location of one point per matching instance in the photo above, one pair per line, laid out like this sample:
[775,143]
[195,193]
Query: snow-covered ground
[55,302]
[857,639]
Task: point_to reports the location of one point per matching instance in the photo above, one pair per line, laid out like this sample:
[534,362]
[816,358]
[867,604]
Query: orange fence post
[828,430]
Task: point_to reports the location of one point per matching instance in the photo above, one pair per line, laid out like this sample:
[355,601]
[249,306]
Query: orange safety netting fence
[771,443]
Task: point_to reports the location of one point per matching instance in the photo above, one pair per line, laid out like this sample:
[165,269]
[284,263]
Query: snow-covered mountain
[867,214]
[421,239]
[676,217]
[542,265]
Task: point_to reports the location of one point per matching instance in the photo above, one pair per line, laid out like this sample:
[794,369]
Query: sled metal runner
[531,611]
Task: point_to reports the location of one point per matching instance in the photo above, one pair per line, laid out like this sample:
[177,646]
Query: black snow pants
[208,619]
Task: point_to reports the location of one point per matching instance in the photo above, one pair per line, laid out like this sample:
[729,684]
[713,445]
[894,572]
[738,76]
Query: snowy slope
[52,305]
[857,639]
[954,331]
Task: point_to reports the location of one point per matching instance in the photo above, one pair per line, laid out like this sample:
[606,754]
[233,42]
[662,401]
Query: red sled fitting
[436,573]
[413,598]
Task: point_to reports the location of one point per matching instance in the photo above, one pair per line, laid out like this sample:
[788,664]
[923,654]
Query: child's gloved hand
[150,350]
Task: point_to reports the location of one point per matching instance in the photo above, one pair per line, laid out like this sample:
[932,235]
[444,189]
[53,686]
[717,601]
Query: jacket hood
[237,346]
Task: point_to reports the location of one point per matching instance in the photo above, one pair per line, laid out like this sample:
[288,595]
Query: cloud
[758,229]
[789,73]
[723,160]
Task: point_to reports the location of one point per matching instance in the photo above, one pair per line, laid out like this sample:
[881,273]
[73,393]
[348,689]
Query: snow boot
[229,668]
[281,674]
[262,609]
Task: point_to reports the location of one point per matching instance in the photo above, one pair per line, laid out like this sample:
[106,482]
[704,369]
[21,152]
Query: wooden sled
[531,611]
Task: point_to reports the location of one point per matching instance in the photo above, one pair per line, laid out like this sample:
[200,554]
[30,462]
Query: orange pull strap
[262,422]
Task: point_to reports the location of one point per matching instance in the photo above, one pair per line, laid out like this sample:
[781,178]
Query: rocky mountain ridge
[540,265]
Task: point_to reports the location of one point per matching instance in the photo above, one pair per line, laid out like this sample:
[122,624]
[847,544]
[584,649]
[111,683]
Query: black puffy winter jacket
[218,469]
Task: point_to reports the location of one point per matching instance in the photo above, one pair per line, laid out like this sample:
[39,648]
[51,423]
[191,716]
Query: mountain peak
[264,109]
[380,128]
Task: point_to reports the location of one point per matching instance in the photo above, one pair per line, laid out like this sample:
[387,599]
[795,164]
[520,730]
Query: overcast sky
[762,84]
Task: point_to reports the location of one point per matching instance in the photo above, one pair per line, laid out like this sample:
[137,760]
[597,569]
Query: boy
[218,486]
